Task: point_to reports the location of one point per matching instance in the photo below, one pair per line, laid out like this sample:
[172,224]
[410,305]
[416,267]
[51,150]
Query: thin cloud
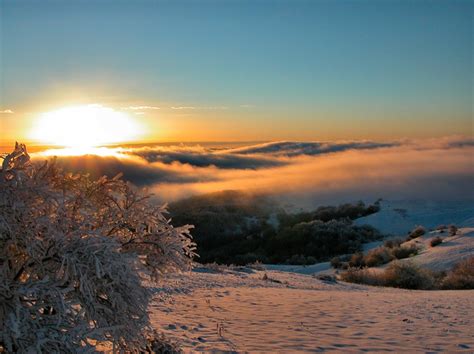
[182,107]
[7,111]
[291,148]
[142,108]
[199,107]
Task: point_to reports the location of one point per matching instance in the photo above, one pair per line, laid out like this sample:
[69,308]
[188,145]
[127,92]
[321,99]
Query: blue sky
[404,66]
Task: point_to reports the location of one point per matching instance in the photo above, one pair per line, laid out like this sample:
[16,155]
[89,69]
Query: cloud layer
[288,148]
[310,173]
[200,157]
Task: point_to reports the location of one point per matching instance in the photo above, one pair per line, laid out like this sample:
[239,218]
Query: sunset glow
[240,176]
[84,127]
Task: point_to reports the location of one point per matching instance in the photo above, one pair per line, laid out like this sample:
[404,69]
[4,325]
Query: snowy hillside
[399,217]
[443,257]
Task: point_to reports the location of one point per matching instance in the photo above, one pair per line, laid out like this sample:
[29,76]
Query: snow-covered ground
[282,308]
[238,310]
[323,267]
[400,217]
[445,255]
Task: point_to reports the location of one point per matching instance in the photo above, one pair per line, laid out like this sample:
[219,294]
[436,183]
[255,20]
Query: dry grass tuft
[461,276]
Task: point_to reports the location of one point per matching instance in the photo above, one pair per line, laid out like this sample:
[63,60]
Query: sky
[243,70]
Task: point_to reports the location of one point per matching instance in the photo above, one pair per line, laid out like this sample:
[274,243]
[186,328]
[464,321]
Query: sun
[85,126]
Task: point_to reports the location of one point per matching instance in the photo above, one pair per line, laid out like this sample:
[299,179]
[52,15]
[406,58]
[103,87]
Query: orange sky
[168,123]
[243,70]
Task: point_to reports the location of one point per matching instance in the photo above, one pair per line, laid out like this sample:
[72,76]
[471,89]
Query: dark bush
[393,243]
[336,262]
[452,230]
[416,232]
[436,241]
[404,251]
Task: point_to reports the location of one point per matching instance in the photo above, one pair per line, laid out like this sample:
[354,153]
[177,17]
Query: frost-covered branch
[73,254]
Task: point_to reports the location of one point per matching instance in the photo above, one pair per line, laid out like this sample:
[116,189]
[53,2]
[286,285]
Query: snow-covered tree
[74,253]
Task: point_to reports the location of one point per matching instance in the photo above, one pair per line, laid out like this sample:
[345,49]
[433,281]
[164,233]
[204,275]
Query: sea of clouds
[309,172]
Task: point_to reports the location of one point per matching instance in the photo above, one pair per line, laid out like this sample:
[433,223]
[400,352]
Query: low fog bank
[302,174]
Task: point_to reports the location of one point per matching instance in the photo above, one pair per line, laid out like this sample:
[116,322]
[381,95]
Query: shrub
[336,262]
[357,260]
[393,243]
[452,230]
[404,251]
[436,241]
[340,262]
[399,275]
[407,275]
[73,254]
[378,256]
[416,232]
[461,276]
[362,276]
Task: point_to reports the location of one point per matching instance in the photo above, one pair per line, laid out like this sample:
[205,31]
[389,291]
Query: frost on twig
[73,254]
